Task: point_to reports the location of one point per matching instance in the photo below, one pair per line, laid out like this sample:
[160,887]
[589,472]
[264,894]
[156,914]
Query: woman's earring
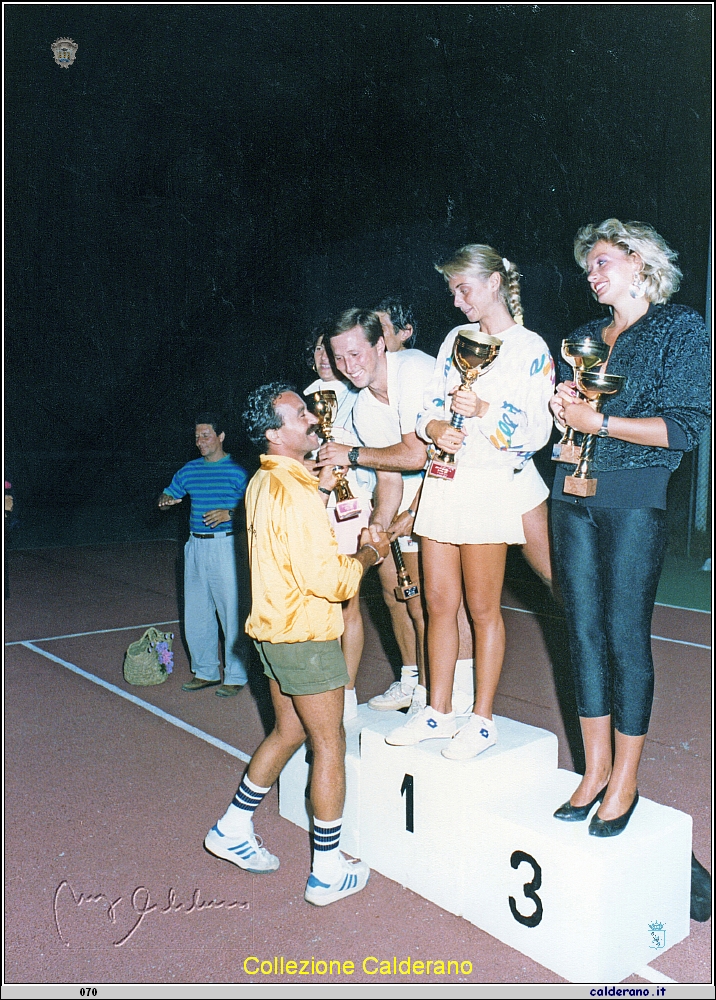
[637,287]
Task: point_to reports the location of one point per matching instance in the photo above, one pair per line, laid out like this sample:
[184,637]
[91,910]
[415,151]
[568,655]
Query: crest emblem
[657,933]
[64,51]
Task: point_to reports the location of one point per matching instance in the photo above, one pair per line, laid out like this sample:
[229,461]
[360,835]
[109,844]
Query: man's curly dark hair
[401,316]
[260,414]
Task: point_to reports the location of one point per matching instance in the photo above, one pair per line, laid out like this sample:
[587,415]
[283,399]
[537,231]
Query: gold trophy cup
[406,588]
[325,408]
[583,354]
[595,387]
[473,354]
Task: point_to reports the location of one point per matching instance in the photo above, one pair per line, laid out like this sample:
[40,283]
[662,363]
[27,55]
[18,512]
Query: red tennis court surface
[107,804]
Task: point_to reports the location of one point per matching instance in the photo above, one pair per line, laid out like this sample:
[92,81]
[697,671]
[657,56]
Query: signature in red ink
[140,904]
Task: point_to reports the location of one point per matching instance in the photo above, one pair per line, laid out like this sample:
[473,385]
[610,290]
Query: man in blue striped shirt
[216,485]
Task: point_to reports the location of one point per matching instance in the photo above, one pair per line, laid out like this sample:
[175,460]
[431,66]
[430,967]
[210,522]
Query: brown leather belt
[219,534]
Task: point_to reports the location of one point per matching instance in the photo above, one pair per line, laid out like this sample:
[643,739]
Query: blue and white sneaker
[245,851]
[354,877]
[475,736]
[426,724]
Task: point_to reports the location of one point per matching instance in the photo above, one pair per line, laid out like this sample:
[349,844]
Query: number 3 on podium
[530,890]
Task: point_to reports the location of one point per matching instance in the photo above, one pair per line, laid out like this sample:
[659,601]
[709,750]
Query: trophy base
[439,470]
[579,487]
[568,453]
[346,509]
[405,593]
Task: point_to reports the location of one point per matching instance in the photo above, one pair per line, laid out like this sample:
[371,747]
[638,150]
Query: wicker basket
[142,665]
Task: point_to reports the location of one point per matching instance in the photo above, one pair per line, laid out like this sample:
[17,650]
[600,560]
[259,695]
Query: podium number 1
[530,890]
[406,789]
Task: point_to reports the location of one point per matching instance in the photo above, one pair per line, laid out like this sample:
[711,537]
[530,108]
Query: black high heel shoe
[611,827]
[574,814]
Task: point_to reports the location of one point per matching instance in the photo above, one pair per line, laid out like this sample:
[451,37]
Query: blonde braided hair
[482,261]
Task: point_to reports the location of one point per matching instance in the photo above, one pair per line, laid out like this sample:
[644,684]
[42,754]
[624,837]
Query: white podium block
[293,803]
[479,839]
[590,909]
[414,818]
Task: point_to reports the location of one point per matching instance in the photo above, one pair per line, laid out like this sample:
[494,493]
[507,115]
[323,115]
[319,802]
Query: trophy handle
[406,588]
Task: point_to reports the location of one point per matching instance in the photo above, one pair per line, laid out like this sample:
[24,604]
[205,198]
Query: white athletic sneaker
[475,736]
[350,705]
[427,724]
[245,851]
[397,696]
[354,876]
[420,700]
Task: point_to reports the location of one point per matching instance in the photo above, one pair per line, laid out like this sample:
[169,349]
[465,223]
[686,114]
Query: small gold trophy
[582,354]
[473,354]
[595,387]
[325,407]
[406,588]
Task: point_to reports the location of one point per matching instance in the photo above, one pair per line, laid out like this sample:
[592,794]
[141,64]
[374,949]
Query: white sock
[237,821]
[409,676]
[326,857]
[439,715]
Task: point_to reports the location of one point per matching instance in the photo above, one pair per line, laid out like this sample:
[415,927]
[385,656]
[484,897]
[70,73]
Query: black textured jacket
[665,357]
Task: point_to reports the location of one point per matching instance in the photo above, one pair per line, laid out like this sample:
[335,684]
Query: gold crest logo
[64,51]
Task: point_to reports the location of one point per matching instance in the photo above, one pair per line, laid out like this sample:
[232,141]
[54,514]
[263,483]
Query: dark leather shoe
[574,814]
[611,827]
[700,891]
[228,690]
[198,684]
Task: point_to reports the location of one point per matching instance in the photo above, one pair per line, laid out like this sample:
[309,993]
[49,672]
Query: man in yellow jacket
[298,581]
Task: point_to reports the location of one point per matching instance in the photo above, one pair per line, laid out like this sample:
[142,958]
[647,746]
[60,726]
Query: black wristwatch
[353,457]
[603,431]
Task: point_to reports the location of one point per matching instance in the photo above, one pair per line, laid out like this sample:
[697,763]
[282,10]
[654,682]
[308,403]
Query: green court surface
[684,583]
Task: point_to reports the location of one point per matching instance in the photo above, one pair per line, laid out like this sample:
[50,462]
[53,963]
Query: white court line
[505,607]
[179,723]
[98,631]
[681,642]
[653,975]
[680,607]
[661,638]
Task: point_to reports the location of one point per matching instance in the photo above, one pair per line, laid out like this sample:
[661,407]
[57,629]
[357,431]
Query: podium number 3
[406,789]
[530,890]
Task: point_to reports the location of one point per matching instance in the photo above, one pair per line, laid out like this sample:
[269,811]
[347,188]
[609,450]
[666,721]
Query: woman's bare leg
[597,739]
[483,570]
[622,784]
[536,548]
[443,591]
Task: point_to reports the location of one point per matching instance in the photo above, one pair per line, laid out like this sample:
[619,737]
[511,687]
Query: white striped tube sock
[326,856]
[237,819]
[409,675]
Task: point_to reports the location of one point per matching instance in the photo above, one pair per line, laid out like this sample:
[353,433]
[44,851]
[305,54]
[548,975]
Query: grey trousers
[211,588]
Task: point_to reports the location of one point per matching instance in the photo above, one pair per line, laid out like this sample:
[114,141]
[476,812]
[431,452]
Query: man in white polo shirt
[384,416]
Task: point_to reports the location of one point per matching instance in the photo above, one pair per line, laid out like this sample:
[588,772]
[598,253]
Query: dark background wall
[206,182]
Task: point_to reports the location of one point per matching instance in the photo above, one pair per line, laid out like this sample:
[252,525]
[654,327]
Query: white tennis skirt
[479,507]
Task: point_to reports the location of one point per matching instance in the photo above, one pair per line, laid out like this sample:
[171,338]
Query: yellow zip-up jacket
[298,577]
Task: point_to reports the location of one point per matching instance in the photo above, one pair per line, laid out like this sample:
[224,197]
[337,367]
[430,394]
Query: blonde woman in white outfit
[466,523]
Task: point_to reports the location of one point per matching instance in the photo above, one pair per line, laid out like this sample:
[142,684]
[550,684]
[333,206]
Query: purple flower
[165,656]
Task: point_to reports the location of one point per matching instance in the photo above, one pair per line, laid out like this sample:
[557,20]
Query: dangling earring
[637,287]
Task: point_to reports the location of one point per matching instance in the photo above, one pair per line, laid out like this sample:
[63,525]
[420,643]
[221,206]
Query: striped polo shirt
[211,486]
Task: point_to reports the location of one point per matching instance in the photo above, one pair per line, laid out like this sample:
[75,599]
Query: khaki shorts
[304,667]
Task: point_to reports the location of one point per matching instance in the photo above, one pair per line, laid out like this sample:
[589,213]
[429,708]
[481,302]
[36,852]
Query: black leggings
[608,564]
